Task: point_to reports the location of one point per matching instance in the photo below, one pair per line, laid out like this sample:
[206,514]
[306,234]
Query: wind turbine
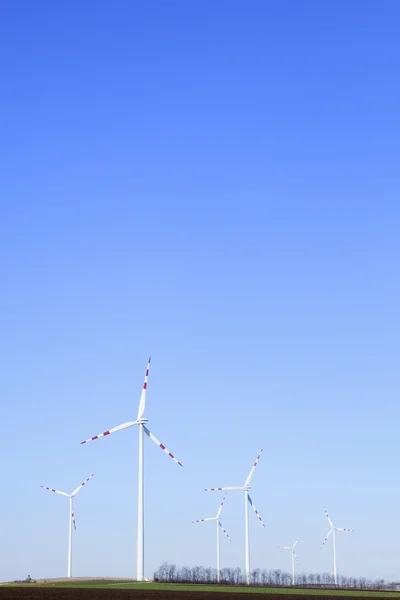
[140,421]
[294,557]
[71,516]
[247,500]
[217,518]
[334,529]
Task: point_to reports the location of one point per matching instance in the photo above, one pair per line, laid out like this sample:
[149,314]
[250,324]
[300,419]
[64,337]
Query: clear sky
[215,184]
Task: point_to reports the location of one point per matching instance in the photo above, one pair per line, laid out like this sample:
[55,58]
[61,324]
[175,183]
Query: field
[118,590]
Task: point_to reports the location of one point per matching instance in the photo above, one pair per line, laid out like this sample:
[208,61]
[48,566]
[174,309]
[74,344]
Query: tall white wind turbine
[140,421]
[247,500]
[71,517]
[217,518]
[294,557]
[333,529]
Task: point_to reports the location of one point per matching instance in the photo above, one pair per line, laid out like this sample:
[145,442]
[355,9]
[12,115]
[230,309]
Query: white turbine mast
[333,529]
[217,518]
[294,557]
[71,517]
[140,422]
[247,500]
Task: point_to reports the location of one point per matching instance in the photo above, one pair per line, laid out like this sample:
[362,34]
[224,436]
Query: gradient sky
[215,184]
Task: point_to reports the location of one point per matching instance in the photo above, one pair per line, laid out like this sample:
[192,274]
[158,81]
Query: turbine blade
[224,530]
[285,547]
[113,430]
[202,520]
[295,542]
[55,491]
[73,520]
[328,517]
[220,506]
[142,403]
[81,486]
[249,478]
[295,557]
[233,487]
[329,533]
[156,441]
[343,529]
[255,510]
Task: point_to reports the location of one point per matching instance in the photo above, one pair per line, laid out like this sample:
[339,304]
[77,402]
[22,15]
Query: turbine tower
[217,518]
[333,529]
[294,557]
[140,422]
[247,500]
[71,517]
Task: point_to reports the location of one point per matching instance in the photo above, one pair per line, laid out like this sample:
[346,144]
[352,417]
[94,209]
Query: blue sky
[214,184]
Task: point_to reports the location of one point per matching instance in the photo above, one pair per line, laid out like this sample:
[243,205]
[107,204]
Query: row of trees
[259,577]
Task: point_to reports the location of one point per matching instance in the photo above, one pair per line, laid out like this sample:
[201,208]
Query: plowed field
[54,593]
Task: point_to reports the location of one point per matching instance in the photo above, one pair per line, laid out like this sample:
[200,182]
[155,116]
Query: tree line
[169,573]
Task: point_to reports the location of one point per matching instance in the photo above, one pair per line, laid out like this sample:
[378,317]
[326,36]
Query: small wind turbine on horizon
[294,557]
[217,518]
[247,500]
[333,529]
[140,421]
[71,516]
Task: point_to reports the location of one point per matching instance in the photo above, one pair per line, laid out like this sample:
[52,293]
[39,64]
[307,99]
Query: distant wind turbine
[247,500]
[217,518]
[294,557]
[140,421]
[333,529]
[71,517]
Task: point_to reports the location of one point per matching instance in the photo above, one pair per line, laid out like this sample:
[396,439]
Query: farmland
[119,590]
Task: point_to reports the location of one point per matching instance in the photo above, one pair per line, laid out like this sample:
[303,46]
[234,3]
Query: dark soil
[33,593]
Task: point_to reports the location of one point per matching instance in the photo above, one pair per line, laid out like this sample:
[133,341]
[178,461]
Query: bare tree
[255,576]
[362,582]
[238,577]
[198,574]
